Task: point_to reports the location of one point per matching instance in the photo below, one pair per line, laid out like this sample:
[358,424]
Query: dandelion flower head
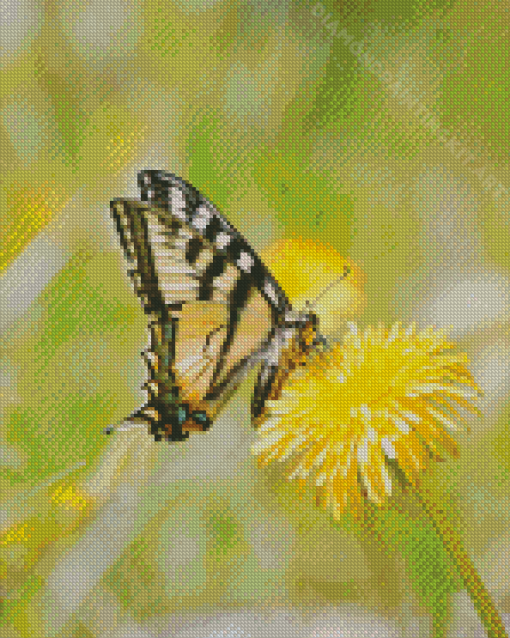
[384,394]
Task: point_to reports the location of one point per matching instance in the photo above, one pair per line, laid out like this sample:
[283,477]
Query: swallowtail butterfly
[214,309]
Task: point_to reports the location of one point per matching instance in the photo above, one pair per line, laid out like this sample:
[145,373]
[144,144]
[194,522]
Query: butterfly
[215,311]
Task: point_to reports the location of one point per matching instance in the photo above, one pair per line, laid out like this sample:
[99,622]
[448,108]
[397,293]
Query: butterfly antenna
[346,271]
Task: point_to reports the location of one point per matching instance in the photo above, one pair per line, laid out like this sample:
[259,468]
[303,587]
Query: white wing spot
[178,204]
[271,292]
[245,262]
[222,240]
[202,218]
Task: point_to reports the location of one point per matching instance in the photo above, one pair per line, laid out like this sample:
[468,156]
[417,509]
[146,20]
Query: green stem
[474,584]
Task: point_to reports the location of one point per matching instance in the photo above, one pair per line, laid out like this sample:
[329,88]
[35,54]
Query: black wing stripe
[213,228]
[139,252]
[266,378]
[213,270]
[193,249]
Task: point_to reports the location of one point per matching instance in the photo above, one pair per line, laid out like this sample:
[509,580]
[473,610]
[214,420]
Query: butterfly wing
[213,306]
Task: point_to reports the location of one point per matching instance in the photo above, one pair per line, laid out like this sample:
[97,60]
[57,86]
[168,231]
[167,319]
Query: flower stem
[474,584]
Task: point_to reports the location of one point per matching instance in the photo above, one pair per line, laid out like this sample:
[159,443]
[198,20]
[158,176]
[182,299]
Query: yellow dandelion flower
[383,394]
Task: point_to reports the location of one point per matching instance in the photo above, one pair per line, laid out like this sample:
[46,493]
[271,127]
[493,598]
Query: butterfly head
[305,324]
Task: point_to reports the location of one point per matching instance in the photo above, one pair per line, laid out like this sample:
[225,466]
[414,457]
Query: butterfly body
[214,309]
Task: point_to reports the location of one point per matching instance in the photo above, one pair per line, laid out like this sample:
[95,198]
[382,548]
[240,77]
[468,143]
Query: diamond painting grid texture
[368,133]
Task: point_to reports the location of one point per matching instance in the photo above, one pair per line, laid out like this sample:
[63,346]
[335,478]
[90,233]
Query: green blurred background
[380,128]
